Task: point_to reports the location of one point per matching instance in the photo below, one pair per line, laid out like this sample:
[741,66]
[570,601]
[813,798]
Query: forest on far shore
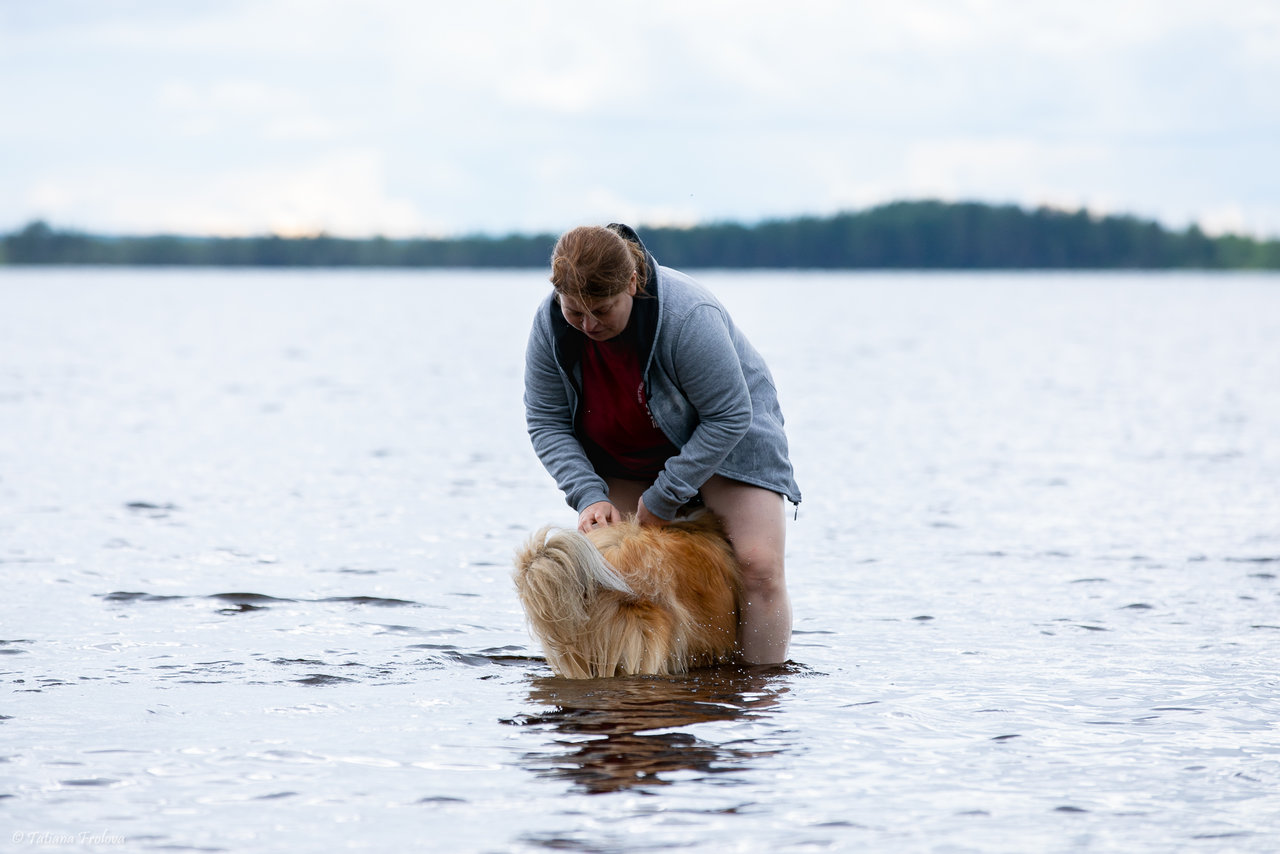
[926,235]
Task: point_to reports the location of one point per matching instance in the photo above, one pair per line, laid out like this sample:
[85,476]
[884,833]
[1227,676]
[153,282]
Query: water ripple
[622,734]
[243,602]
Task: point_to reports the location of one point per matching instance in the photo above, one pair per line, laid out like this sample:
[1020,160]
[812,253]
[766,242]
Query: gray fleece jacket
[708,390]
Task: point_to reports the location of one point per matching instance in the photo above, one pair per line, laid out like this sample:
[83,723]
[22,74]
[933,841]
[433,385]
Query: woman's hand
[644,517]
[598,515]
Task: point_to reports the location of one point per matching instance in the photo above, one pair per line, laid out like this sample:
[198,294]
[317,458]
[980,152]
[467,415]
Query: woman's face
[599,320]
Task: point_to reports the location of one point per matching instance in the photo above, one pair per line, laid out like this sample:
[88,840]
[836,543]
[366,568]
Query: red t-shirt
[615,417]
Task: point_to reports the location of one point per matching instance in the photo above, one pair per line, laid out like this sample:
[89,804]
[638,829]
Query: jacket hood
[628,233]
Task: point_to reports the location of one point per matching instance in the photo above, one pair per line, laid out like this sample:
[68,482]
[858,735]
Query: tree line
[900,235]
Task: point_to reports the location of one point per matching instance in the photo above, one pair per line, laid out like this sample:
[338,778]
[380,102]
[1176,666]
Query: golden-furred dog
[629,600]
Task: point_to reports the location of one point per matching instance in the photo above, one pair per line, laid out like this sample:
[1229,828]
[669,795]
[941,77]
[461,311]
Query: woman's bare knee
[762,576]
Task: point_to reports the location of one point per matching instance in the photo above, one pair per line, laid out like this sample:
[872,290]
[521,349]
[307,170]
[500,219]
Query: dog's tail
[558,575]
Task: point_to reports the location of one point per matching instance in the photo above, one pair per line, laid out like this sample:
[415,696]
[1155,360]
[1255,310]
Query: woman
[641,396]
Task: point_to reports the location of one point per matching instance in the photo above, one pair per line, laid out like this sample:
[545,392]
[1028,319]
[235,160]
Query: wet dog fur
[629,600]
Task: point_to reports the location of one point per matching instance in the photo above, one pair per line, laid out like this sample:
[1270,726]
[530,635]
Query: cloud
[488,116]
[242,106]
[343,193]
[1008,167]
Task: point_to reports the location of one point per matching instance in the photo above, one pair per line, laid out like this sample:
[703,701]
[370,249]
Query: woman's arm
[707,371]
[549,417]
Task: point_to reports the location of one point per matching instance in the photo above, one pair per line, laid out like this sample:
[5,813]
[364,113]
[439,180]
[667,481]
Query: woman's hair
[592,263]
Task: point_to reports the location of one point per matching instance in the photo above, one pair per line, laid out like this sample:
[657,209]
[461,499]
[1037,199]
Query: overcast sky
[406,118]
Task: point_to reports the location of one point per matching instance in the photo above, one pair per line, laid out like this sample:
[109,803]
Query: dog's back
[627,599]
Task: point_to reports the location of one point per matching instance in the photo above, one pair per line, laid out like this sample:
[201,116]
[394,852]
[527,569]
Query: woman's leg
[755,520]
[625,494]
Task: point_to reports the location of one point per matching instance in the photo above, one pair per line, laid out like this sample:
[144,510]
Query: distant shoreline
[916,235]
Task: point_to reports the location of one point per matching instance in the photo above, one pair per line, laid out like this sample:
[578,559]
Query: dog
[631,600]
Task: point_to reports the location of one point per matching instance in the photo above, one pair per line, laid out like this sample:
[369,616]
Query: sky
[422,118]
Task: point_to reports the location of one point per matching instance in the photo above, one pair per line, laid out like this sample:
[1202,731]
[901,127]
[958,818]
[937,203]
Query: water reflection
[615,734]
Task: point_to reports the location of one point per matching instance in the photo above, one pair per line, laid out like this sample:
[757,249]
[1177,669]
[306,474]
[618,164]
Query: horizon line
[1094,215]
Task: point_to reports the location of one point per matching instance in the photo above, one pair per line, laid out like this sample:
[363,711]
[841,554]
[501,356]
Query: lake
[256,532]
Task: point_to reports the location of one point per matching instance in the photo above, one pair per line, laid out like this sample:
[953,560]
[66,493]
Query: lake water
[256,532]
